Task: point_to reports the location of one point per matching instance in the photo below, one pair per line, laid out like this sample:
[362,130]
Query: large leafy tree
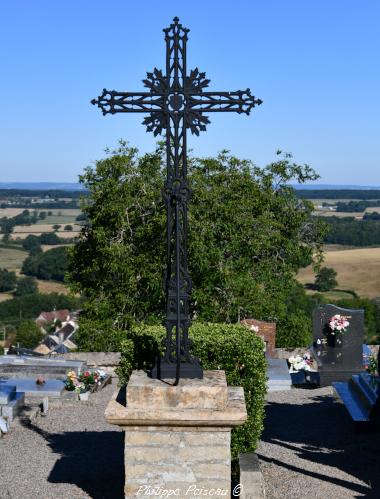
[248,236]
[28,334]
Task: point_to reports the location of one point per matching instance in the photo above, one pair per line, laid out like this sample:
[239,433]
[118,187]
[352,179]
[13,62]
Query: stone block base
[180,461]
[177,439]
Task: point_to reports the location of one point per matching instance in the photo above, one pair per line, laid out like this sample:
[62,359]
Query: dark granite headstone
[338,355]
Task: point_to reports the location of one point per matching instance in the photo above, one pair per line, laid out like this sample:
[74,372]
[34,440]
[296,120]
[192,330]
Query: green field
[11,259]
[56,219]
[358,270]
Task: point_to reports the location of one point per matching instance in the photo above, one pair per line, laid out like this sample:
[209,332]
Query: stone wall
[108,361]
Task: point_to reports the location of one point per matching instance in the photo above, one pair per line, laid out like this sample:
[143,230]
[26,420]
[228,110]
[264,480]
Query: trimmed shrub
[232,348]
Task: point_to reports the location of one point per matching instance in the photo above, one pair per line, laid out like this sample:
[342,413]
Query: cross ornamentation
[176,102]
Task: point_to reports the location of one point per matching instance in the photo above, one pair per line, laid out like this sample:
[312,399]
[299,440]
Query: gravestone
[338,355]
[278,375]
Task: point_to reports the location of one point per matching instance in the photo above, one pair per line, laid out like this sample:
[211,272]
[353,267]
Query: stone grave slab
[51,388]
[19,366]
[338,356]
[7,393]
[13,408]
[361,397]
[278,375]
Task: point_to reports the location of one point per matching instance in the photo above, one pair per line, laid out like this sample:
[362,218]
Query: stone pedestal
[177,439]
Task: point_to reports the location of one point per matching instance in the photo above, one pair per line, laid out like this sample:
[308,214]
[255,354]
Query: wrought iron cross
[176,102]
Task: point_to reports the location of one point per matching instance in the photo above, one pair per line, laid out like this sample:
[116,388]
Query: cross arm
[240,101]
[111,101]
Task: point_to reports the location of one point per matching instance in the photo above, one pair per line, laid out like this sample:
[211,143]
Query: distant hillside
[315,187]
[343,193]
[42,186]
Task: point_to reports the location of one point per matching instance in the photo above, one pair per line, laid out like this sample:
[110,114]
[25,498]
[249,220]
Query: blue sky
[315,64]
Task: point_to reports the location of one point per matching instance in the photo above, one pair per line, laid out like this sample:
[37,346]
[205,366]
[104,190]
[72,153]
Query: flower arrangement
[339,323]
[299,363]
[84,381]
[371,365]
[254,328]
[73,383]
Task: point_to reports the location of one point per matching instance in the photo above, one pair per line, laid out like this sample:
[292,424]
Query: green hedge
[232,348]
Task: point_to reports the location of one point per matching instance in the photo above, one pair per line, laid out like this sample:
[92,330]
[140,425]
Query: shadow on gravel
[327,436]
[93,461]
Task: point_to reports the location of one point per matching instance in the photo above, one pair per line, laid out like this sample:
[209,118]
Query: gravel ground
[309,448]
[71,453]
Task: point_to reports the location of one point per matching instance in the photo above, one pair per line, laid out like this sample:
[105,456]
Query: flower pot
[298,377]
[84,395]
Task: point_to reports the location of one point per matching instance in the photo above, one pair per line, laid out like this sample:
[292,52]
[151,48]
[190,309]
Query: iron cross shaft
[176,102]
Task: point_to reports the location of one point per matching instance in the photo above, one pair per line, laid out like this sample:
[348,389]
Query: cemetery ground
[308,448]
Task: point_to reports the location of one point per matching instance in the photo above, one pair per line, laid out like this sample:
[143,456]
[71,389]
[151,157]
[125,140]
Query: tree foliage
[50,265]
[28,334]
[26,286]
[30,306]
[352,232]
[31,243]
[248,236]
[325,280]
[7,280]
[338,193]
[49,238]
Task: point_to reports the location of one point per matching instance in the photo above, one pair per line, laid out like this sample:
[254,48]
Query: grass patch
[47,287]
[12,259]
